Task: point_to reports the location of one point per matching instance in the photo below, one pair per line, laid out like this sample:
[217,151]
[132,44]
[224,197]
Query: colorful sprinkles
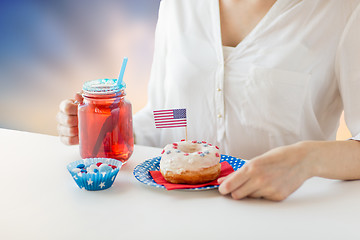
[93,168]
[94,173]
[201,154]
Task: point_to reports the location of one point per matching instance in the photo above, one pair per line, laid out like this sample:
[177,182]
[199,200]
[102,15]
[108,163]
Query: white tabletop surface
[40,200]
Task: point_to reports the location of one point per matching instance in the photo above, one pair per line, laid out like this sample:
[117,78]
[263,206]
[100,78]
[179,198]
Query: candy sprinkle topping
[112,166]
[81,165]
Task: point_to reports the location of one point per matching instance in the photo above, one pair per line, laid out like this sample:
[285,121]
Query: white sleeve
[144,126]
[348,73]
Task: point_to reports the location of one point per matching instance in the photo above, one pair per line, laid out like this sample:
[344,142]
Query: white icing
[172,160]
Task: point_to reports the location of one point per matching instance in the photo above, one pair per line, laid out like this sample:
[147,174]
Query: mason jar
[105,121]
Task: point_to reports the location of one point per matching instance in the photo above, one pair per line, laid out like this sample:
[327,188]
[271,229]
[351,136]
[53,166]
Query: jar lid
[103,86]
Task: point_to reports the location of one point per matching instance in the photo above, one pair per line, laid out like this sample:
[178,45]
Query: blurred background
[49,48]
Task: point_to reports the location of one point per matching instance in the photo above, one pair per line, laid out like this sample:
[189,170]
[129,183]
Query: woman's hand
[273,175]
[279,172]
[68,120]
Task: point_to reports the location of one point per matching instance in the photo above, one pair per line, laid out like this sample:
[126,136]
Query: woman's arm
[335,159]
[279,172]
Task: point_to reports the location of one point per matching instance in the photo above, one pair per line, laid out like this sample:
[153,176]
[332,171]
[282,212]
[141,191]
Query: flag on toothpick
[170,118]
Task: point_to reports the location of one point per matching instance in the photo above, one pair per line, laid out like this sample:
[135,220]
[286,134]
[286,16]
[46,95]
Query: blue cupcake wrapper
[94,181]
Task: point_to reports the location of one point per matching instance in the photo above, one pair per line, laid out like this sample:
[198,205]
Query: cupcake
[94,173]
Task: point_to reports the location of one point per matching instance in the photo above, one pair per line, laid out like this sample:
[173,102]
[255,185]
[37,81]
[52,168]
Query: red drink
[105,121]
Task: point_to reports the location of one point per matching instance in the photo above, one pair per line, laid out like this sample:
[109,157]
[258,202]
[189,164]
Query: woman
[265,80]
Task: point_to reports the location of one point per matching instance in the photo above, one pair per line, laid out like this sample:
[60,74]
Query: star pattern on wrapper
[92,181]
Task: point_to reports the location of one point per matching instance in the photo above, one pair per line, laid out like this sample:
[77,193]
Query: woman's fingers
[78,97]
[246,190]
[273,175]
[232,181]
[270,192]
[70,140]
[221,180]
[68,107]
[67,131]
[67,120]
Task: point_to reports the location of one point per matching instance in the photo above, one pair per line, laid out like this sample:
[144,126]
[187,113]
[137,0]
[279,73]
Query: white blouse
[287,81]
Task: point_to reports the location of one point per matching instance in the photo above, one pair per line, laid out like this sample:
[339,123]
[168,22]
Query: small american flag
[170,118]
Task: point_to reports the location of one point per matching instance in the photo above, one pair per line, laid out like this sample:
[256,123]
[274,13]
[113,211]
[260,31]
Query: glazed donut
[190,162]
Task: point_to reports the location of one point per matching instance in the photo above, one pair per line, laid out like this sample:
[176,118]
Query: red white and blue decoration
[170,118]
[94,173]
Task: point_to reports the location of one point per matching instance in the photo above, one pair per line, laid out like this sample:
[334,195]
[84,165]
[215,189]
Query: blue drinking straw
[122,71]
[108,125]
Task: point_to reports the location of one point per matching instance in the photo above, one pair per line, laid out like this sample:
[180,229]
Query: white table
[40,200]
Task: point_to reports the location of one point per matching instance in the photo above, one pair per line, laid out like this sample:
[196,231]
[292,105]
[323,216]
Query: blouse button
[218,89]
[219,116]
